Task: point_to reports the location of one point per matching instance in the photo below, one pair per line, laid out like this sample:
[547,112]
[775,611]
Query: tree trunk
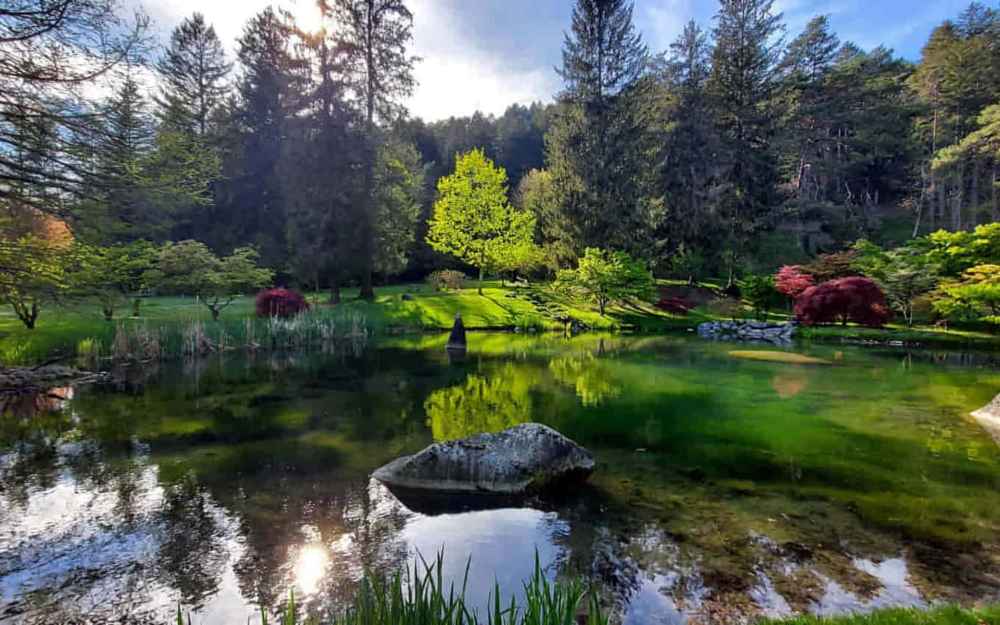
[994,206]
[480,280]
[109,313]
[974,193]
[956,205]
[334,292]
[215,313]
[27,314]
[368,226]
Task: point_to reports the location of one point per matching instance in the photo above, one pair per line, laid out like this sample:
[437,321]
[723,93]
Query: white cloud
[456,77]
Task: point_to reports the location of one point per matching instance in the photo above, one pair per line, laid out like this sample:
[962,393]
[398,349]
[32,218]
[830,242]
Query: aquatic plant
[419,597]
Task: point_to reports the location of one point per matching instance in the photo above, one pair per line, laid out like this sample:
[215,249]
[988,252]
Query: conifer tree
[373,35]
[744,64]
[194,71]
[598,144]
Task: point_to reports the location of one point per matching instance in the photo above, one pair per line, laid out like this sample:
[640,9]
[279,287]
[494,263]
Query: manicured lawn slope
[60,329]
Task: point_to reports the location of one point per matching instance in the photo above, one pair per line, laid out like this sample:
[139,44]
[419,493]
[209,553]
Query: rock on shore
[989,417]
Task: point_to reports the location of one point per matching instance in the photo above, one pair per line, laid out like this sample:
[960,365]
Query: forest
[740,149]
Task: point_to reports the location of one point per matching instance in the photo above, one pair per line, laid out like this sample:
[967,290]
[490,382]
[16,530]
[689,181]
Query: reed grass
[419,596]
[144,341]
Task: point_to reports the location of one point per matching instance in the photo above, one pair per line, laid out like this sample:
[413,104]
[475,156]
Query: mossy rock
[776,356]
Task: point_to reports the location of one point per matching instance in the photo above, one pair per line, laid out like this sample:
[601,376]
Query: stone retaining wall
[763,331]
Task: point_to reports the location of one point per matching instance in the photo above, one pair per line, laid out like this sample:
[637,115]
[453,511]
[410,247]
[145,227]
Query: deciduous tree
[606,276]
[473,220]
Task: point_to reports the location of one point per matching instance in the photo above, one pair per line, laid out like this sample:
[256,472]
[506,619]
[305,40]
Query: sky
[487,54]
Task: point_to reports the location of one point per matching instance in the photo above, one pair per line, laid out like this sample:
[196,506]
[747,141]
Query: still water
[725,488]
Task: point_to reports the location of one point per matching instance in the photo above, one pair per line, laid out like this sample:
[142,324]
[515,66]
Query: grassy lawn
[948,615]
[60,329]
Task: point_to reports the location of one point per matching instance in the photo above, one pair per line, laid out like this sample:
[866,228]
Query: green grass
[62,330]
[917,336]
[947,615]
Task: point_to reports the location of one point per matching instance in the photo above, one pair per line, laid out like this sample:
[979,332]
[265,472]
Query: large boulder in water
[525,459]
[989,417]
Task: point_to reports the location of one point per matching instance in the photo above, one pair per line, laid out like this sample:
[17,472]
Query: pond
[726,487]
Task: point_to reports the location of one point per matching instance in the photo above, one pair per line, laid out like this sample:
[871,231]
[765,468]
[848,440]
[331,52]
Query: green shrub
[445,279]
[761,293]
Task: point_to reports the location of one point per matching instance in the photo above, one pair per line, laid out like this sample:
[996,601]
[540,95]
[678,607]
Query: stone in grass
[989,417]
[456,341]
[526,459]
[776,356]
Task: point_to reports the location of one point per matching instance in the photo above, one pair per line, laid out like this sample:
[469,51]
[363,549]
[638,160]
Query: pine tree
[319,166]
[194,72]
[744,66]
[374,35]
[598,144]
[122,211]
[686,167]
[270,91]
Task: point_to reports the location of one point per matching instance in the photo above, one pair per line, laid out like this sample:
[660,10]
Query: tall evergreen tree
[957,77]
[51,55]
[744,65]
[598,143]
[374,35]
[270,91]
[194,75]
[686,168]
[122,212]
[319,168]
[194,71]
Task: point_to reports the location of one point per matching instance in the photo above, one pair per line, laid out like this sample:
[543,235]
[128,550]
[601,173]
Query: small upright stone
[456,342]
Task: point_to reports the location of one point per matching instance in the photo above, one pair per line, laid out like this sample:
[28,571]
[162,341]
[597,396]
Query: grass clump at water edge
[419,597]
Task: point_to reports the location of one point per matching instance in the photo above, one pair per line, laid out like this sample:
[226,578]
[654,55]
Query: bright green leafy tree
[905,274]
[975,296]
[605,276]
[473,220]
[955,252]
[112,274]
[32,272]
[190,267]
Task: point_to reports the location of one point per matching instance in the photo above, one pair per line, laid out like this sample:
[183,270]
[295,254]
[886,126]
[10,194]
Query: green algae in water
[789,358]
[722,484]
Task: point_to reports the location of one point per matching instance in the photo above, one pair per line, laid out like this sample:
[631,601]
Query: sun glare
[310,567]
[307,14]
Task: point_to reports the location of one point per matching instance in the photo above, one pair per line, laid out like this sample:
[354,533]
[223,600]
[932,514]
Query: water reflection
[725,489]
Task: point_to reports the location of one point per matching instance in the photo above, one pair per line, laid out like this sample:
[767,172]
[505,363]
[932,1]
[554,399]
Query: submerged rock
[456,342]
[782,357]
[989,417]
[525,459]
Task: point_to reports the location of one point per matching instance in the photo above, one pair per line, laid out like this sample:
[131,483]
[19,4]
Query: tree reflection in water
[724,488]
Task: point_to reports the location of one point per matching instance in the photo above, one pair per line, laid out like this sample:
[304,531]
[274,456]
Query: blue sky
[487,54]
